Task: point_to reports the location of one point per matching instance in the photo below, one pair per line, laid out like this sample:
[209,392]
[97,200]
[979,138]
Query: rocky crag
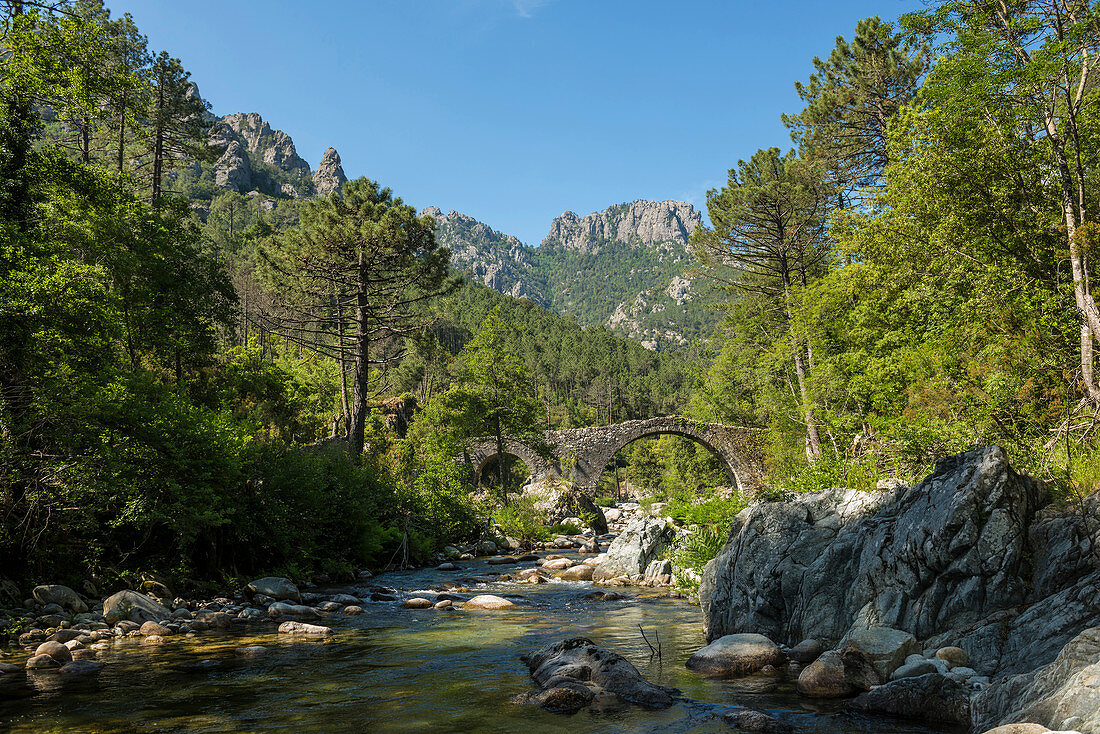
[261,161]
[625,268]
[498,260]
[975,558]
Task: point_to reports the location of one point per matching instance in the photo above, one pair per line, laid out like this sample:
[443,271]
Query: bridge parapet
[582,453]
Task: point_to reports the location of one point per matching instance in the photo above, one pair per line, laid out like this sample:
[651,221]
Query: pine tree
[850,99]
[768,237]
[355,271]
[178,121]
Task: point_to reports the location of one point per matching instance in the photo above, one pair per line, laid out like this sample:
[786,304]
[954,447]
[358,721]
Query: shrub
[520,520]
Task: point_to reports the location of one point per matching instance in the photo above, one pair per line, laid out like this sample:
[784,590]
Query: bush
[520,520]
[604,501]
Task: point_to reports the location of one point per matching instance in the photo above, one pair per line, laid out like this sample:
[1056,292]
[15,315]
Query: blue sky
[512,111]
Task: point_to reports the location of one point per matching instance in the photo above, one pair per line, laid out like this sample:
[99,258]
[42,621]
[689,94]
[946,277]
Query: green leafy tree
[492,396]
[1035,60]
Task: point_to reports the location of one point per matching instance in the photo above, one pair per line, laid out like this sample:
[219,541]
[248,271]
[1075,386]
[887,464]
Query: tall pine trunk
[360,386]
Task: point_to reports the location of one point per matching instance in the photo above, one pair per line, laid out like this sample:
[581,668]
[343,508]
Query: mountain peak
[329,175]
[640,222]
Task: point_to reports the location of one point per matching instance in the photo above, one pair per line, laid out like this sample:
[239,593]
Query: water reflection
[397,670]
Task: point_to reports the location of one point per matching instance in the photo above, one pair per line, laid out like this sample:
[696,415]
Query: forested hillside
[185,305]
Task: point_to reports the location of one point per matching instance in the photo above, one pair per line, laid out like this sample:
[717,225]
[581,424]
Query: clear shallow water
[398,670]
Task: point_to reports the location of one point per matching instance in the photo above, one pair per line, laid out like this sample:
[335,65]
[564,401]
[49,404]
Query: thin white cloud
[527,8]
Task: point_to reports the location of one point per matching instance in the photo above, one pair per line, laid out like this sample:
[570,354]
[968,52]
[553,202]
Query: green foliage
[520,520]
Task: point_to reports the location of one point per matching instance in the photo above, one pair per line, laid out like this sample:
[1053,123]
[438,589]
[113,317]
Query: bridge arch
[481,453]
[595,453]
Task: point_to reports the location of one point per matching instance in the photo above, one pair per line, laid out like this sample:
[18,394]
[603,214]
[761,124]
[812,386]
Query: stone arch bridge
[581,454]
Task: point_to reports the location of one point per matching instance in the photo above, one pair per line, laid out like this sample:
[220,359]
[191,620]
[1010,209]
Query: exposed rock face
[573,673]
[498,260]
[329,175]
[249,141]
[973,557]
[273,146]
[1062,695]
[630,553]
[637,223]
[939,556]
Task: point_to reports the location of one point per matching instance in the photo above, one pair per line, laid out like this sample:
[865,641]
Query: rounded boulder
[736,655]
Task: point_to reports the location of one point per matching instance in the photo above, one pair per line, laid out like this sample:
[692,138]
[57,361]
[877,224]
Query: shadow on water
[397,670]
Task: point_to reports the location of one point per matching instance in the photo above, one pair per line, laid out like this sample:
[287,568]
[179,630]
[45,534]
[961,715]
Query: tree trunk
[500,462]
[813,438]
[158,143]
[343,364]
[357,428]
[1086,304]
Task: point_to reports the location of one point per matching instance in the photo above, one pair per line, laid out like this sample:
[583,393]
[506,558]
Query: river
[398,670]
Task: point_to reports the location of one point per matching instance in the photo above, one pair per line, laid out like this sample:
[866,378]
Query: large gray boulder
[887,648]
[63,596]
[573,673]
[135,607]
[938,556]
[630,553]
[1062,695]
[736,655]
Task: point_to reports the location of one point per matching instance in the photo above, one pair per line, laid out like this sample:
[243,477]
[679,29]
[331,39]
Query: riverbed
[392,669]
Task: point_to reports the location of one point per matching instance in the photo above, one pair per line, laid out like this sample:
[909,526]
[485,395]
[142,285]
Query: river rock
[55,650]
[758,721]
[417,603]
[1018,729]
[576,573]
[487,601]
[630,553]
[81,667]
[485,548]
[282,609]
[42,662]
[155,628]
[277,587]
[953,656]
[932,698]
[1067,688]
[886,647]
[222,620]
[9,669]
[806,651]
[915,668]
[824,678]
[135,607]
[556,564]
[592,672]
[736,655]
[63,596]
[301,628]
[64,636]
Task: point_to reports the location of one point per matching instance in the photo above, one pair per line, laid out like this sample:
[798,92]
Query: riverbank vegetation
[208,391]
